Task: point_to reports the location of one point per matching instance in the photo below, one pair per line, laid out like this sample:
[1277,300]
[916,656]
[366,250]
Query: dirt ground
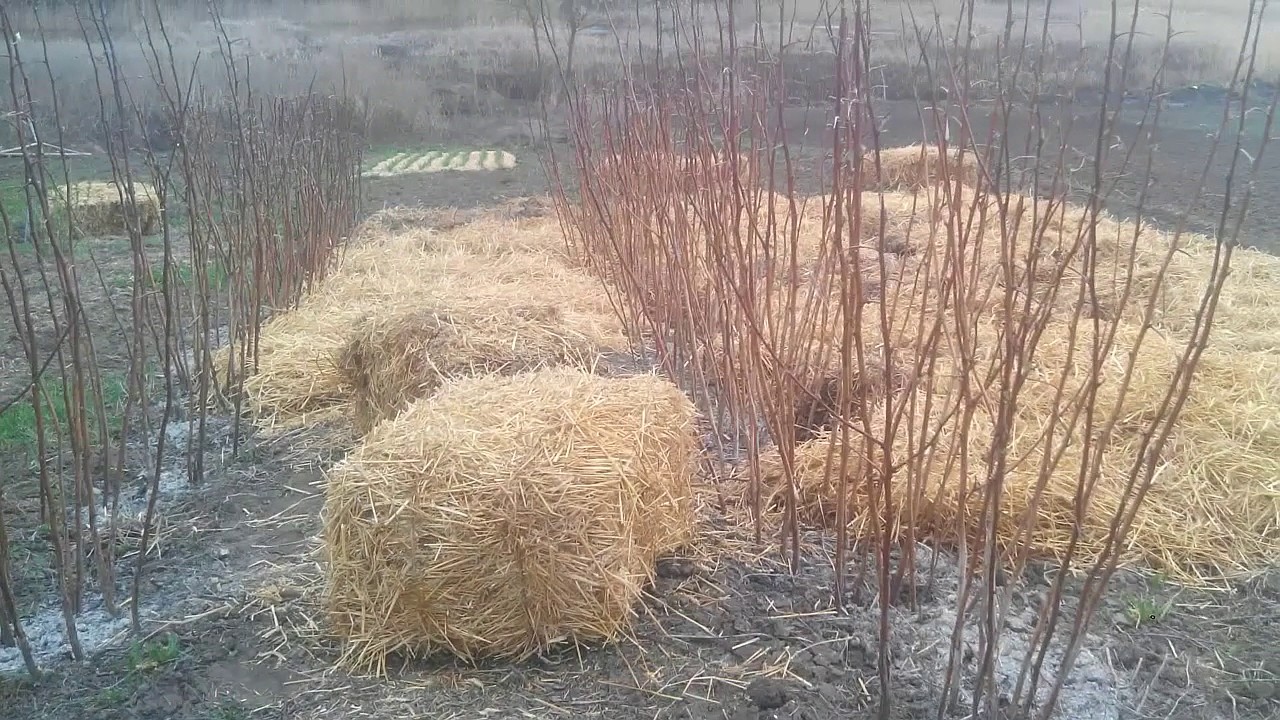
[234,627]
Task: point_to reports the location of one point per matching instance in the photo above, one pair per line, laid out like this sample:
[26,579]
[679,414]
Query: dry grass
[505,515]
[394,359]
[98,210]
[1213,512]
[487,271]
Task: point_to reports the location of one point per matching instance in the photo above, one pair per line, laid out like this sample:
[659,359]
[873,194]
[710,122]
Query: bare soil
[234,628]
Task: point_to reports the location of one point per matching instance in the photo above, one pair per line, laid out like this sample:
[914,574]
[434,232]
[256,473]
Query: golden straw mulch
[1213,510]
[480,269]
[393,360]
[504,515]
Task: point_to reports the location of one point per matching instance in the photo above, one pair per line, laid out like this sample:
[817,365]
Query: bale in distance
[504,515]
[99,211]
[394,359]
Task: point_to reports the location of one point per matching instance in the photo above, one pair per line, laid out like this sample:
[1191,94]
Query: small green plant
[18,422]
[14,686]
[111,697]
[215,273]
[1145,611]
[153,654]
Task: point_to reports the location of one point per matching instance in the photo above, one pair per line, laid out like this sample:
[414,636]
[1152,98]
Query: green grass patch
[153,654]
[378,153]
[228,710]
[215,274]
[18,423]
[142,658]
[112,697]
[13,195]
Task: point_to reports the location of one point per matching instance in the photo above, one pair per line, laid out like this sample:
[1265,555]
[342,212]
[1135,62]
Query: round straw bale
[503,515]
[395,359]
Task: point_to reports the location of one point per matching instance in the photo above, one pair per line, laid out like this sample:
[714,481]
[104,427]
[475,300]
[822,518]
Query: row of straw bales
[503,495]
[393,359]
[1214,508]
[488,515]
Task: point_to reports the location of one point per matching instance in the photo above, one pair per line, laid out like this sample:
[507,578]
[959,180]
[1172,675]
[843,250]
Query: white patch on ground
[433,161]
[97,630]
[47,634]
[1092,690]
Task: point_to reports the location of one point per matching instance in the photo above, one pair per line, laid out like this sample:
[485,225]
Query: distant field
[433,161]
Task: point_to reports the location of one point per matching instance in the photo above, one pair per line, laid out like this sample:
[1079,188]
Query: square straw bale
[504,515]
[485,267]
[99,211]
[395,359]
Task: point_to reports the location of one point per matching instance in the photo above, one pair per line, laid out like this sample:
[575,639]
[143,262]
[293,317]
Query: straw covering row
[505,494]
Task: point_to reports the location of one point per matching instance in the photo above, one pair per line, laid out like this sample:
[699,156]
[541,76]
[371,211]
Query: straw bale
[99,211]
[1247,317]
[393,359]
[480,269]
[1042,236]
[818,393]
[502,516]
[1132,253]
[917,166]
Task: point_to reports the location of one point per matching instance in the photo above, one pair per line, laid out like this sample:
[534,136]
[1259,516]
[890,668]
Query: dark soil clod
[768,694]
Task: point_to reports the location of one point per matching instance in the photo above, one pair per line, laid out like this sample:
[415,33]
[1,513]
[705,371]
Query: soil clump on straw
[504,515]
